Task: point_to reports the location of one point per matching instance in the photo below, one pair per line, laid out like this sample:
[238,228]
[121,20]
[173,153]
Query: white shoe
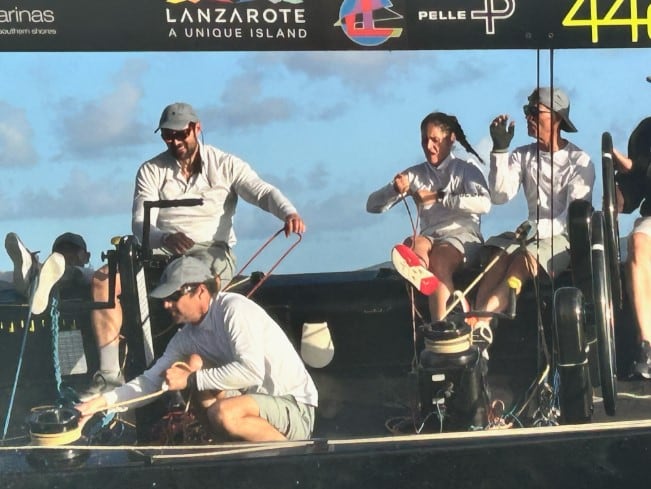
[23,262]
[50,273]
[483,334]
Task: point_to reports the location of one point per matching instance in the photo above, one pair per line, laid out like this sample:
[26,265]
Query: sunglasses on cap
[172,135]
[184,290]
[533,111]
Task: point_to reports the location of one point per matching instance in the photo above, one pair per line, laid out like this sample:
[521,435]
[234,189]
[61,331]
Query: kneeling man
[250,379]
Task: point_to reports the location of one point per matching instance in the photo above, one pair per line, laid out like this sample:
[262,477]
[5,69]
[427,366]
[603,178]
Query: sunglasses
[184,290]
[171,135]
[534,111]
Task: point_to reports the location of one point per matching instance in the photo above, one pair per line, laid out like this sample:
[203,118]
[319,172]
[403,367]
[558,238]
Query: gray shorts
[552,254]
[293,419]
[216,254]
[467,244]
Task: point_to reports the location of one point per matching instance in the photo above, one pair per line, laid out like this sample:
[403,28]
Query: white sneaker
[23,262]
[100,383]
[50,273]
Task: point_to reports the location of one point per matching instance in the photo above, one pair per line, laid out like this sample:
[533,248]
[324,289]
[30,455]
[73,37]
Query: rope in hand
[164,388]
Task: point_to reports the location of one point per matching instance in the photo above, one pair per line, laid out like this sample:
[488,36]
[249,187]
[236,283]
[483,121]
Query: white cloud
[81,196]
[108,124]
[243,104]
[367,72]
[16,134]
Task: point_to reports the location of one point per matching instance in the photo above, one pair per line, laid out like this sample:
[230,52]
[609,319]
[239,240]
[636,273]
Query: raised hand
[501,133]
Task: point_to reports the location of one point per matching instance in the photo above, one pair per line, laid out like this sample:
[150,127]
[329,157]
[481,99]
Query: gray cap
[182,271]
[177,116]
[71,238]
[559,103]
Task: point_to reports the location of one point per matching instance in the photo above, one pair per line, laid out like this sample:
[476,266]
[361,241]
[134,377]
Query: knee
[639,249]
[100,284]
[221,417]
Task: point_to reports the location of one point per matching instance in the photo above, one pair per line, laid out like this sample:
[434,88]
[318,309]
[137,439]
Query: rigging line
[551,200]
[12,397]
[414,225]
[551,204]
[536,273]
[54,326]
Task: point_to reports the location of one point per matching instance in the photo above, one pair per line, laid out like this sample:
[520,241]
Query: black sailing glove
[501,136]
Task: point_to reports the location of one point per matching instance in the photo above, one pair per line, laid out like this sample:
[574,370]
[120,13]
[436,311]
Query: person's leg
[639,287]
[523,267]
[218,256]
[444,260]
[499,263]
[639,283]
[422,247]
[106,324]
[239,417]
[24,263]
[259,417]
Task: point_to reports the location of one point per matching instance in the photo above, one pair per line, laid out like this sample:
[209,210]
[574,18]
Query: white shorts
[642,225]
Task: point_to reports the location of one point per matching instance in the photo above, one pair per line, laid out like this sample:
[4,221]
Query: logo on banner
[368,22]
[236,19]
[492,11]
[16,22]
[295,2]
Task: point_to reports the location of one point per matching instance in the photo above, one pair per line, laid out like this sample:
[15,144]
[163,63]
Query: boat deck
[369,392]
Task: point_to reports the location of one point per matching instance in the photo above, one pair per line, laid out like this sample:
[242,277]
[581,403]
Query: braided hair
[449,123]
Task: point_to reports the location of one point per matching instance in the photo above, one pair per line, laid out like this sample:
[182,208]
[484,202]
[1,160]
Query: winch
[450,376]
[53,426]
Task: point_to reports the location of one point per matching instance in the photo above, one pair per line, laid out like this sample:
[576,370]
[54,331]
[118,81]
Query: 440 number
[586,13]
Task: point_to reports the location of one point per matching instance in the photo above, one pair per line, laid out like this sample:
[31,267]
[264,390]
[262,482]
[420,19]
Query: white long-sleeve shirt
[466,196]
[573,178]
[223,177]
[248,351]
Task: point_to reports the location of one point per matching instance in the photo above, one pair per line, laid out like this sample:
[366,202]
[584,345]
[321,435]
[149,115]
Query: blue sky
[326,128]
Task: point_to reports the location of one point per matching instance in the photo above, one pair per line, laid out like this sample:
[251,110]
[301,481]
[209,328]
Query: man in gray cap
[235,359]
[553,172]
[186,169]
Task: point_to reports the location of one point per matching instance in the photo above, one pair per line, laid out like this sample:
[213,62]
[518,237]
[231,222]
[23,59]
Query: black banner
[295,25]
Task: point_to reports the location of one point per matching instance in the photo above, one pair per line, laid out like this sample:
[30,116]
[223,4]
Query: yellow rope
[55,439]
[456,345]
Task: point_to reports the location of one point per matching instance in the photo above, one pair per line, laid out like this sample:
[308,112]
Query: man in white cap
[186,169]
[532,167]
[245,372]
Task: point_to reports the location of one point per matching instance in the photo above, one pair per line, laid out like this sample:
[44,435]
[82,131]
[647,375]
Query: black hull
[599,455]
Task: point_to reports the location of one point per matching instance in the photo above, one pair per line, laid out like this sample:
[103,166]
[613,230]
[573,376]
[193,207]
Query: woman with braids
[451,194]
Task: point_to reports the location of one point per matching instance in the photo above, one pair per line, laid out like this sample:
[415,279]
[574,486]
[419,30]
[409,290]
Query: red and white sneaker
[409,266]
